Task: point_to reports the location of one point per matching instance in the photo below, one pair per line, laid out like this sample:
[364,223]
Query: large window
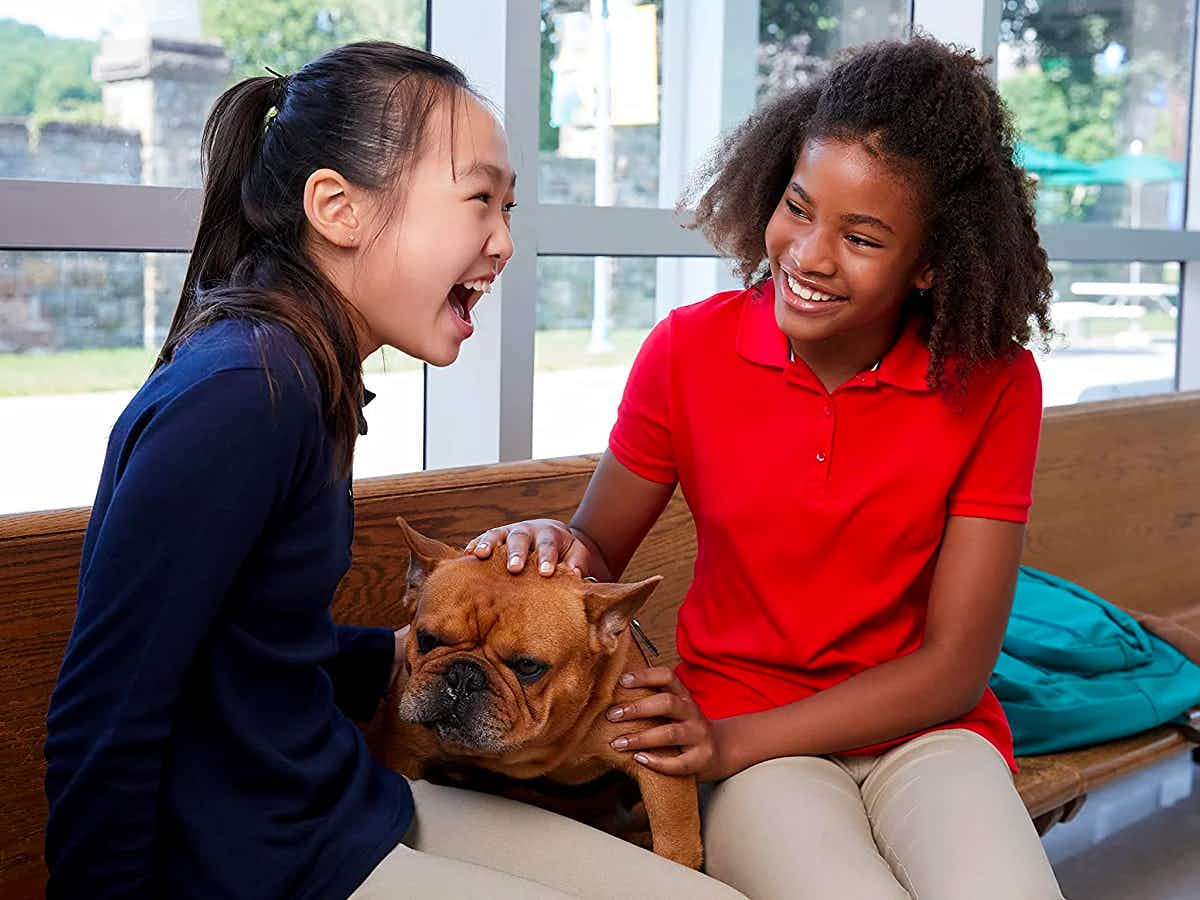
[632,96]
[798,39]
[610,106]
[73,351]
[1102,94]
[593,314]
[1100,91]
[117,94]
[1118,325]
[609,115]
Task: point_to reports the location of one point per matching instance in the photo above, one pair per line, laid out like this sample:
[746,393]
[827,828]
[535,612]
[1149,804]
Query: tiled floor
[1136,839]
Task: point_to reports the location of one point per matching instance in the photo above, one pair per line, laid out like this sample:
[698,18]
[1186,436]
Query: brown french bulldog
[513,674]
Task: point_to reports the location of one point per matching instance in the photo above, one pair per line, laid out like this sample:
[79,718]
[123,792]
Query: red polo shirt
[818,515]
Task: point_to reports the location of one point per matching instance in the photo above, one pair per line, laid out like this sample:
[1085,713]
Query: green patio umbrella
[1125,169]
[1044,163]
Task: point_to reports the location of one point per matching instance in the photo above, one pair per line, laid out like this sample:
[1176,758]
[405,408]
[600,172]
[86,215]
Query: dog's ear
[423,556]
[610,607]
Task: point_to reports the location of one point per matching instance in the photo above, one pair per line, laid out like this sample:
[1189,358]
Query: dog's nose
[465,677]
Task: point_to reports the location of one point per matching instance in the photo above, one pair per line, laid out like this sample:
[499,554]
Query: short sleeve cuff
[1016,511]
[661,473]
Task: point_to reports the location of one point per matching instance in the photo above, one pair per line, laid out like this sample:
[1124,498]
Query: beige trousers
[471,846]
[933,819]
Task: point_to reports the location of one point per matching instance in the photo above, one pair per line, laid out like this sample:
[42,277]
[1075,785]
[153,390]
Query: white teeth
[806,293]
[482,285]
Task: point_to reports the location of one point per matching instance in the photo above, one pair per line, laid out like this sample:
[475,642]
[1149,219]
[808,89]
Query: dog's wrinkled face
[500,662]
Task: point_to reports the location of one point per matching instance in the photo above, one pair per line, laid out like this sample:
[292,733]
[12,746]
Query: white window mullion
[973,25]
[615,231]
[695,33]
[1102,243]
[480,410]
[1187,358]
[67,215]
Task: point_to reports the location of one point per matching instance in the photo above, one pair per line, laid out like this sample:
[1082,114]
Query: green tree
[42,76]
[286,34]
[1094,75]
[1066,39]
[1074,119]
[781,19]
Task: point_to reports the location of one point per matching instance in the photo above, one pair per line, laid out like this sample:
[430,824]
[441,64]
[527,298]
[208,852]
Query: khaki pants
[933,819]
[470,846]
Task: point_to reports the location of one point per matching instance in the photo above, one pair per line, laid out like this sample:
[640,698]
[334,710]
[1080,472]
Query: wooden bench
[1117,508]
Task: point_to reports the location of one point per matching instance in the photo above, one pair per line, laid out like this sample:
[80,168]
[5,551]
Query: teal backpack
[1076,670]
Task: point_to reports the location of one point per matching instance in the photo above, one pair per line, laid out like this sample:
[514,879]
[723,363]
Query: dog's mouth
[477,736]
[463,719]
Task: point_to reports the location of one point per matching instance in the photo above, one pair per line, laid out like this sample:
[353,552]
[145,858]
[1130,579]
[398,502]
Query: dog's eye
[427,642]
[528,670]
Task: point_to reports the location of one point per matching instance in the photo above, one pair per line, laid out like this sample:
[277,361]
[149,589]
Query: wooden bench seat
[1053,786]
[1117,508]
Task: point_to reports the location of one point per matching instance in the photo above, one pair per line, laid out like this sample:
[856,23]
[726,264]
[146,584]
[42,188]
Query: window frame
[496,368]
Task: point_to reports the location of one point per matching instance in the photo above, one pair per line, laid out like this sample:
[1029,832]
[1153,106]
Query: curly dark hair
[929,110]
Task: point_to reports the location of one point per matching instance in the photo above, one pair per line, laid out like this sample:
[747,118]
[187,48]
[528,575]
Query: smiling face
[844,248]
[414,284]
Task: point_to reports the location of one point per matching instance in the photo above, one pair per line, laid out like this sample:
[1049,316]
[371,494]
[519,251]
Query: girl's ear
[924,279]
[331,205]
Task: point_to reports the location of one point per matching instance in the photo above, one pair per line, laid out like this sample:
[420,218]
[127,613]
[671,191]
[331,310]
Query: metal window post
[480,410]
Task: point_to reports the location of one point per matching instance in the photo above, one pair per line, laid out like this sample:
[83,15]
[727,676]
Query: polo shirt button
[820,457]
[829,410]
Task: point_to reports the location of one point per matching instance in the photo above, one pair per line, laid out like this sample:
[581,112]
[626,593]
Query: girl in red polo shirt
[855,436]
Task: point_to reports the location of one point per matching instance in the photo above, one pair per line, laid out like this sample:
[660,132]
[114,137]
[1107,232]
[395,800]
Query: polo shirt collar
[759,338]
[760,341]
[906,365]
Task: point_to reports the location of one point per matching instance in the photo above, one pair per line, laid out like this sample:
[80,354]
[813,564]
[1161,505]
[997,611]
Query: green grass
[85,371]
[1156,323]
[557,351]
[74,371]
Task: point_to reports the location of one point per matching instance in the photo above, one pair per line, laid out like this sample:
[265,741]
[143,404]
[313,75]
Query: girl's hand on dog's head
[694,734]
[553,540]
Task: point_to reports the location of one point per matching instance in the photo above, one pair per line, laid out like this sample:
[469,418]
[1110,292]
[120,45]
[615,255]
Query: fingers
[664,704]
[660,677]
[483,545]
[514,539]
[517,548]
[673,734]
[547,550]
[548,537]
[690,762]
[578,558]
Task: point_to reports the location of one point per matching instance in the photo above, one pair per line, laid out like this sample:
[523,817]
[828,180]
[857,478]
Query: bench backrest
[1117,508]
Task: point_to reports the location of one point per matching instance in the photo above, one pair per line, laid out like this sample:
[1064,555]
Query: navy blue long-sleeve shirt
[199,740]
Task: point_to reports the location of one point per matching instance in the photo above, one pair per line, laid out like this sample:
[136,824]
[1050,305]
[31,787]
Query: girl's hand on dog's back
[554,541]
